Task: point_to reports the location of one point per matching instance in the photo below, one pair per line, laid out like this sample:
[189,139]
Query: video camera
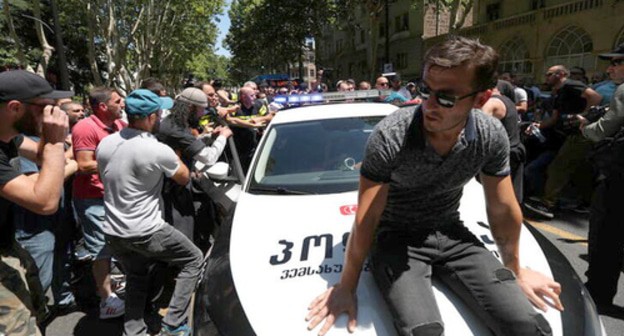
[570,121]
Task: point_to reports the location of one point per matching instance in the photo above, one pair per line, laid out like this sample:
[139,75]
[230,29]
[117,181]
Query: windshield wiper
[279,191]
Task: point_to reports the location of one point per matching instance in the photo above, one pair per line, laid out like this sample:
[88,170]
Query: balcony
[571,8]
[529,18]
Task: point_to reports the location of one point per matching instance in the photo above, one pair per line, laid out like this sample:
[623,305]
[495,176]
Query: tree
[114,42]
[268,35]
[458,11]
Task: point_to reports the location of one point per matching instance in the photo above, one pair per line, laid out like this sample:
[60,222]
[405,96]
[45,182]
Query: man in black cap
[606,224]
[25,97]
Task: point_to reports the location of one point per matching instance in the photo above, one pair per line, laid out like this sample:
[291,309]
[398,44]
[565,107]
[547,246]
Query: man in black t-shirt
[175,131]
[253,113]
[570,97]
[24,94]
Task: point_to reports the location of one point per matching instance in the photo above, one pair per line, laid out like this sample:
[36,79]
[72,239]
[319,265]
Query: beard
[193,120]
[28,124]
[156,127]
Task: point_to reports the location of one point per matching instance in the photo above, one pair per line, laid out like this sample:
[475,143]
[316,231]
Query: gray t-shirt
[132,166]
[424,187]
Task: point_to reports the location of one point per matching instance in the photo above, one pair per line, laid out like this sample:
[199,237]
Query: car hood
[286,250]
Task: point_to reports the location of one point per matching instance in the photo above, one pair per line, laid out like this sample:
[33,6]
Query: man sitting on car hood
[416,163]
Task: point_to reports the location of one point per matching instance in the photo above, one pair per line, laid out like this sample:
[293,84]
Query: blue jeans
[40,245]
[535,173]
[90,215]
[403,265]
[138,254]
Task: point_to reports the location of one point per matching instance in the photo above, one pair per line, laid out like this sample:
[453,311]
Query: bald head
[382,83]
[250,84]
[247,96]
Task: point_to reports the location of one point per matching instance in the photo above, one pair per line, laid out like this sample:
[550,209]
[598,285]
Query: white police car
[283,243]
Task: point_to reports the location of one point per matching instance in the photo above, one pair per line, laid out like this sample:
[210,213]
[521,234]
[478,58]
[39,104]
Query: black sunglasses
[616,62]
[443,99]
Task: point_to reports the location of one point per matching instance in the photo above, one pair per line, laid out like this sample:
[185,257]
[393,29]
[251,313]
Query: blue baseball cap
[144,102]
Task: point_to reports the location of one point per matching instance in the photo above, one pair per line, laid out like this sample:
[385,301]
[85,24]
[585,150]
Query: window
[514,57]
[312,73]
[571,47]
[362,36]
[401,23]
[620,39]
[363,67]
[338,46]
[401,61]
[382,29]
[537,4]
[492,11]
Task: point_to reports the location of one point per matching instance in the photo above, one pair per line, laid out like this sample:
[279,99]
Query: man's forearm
[30,149]
[358,246]
[50,182]
[550,122]
[505,225]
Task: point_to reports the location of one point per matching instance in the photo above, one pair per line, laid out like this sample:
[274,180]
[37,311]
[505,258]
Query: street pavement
[568,231]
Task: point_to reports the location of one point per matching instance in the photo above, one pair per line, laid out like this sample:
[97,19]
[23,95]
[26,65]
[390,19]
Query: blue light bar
[329,96]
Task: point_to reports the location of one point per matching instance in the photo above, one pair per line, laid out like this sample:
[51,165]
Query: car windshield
[312,157]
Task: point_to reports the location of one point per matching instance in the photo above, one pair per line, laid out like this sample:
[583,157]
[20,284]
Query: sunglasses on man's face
[616,62]
[443,99]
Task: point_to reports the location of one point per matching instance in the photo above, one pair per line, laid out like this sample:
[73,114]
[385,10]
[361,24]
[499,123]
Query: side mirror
[219,171]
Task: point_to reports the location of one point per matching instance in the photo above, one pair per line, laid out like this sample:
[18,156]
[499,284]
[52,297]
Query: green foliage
[207,66]
[266,35]
[132,39]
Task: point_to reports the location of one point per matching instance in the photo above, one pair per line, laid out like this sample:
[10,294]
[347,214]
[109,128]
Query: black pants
[246,141]
[179,208]
[606,240]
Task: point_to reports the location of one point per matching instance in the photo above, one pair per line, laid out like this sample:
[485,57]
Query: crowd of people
[110,183]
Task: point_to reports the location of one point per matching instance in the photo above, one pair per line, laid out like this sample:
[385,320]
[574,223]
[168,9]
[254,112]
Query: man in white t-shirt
[522,98]
[132,165]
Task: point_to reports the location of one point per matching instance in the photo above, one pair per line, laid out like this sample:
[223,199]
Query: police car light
[330,96]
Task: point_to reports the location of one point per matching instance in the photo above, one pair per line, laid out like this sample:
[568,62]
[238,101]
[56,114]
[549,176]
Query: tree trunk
[463,14]
[60,47]
[21,58]
[45,46]
[91,47]
[373,9]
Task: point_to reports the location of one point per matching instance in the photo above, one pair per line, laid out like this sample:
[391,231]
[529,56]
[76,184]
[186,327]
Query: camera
[571,121]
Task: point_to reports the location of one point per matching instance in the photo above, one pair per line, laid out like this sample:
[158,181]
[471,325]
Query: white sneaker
[112,307]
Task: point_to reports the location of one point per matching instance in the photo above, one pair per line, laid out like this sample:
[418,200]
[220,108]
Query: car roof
[332,111]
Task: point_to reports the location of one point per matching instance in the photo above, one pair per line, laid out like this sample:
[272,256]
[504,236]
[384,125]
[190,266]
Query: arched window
[514,57]
[571,47]
[620,38]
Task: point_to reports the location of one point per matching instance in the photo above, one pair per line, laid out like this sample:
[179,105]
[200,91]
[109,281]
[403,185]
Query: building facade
[349,50]
[530,35]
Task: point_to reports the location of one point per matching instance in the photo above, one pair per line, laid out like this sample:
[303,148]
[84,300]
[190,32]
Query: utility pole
[387,9]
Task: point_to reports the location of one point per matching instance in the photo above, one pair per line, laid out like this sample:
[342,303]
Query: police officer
[606,224]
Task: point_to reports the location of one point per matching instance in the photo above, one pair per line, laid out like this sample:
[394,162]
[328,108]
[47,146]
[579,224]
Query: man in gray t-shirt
[416,164]
[132,165]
